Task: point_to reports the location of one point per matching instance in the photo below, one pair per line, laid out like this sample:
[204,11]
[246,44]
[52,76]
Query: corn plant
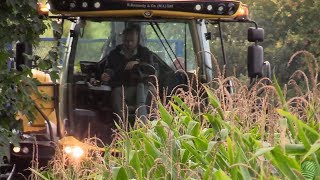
[187,145]
[208,133]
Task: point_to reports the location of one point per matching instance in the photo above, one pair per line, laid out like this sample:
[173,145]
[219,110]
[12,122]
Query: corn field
[208,133]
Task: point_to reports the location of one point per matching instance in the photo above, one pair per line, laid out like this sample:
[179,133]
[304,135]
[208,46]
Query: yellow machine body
[46,105]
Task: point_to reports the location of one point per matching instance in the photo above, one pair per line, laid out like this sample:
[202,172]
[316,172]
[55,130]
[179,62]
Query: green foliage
[290,26]
[16,88]
[6,138]
[216,143]
[19,21]
[309,169]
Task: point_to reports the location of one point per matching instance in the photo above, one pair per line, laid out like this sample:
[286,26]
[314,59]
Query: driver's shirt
[116,63]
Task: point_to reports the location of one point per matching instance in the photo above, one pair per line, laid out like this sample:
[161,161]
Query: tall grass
[208,133]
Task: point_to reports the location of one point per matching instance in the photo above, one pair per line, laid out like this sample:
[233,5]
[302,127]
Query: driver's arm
[112,67]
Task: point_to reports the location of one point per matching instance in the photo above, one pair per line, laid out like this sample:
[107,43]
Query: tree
[19,21]
[290,26]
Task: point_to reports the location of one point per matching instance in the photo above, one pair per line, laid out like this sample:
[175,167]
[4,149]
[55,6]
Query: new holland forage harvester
[177,32]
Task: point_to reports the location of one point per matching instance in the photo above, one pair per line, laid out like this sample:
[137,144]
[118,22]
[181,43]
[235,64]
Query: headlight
[97,5]
[74,151]
[221,8]
[84,4]
[198,7]
[231,8]
[48,6]
[72,5]
[77,152]
[16,149]
[68,150]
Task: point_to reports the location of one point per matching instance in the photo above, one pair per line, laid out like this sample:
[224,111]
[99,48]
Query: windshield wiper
[159,29]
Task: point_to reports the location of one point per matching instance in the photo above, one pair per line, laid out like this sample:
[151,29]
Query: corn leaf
[184,155]
[165,115]
[221,175]
[193,128]
[39,174]
[241,158]
[230,151]
[290,121]
[260,152]
[314,148]
[183,105]
[134,161]
[211,147]
[119,173]
[151,149]
[282,162]
[301,127]
[214,121]
[178,110]
[214,102]
[194,152]
[201,143]
[161,129]
[221,159]
[295,149]
[280,93]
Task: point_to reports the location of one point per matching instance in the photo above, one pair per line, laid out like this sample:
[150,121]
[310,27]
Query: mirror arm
[236,21]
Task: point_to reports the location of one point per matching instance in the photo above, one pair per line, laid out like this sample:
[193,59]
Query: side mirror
[255,34]
[255,61]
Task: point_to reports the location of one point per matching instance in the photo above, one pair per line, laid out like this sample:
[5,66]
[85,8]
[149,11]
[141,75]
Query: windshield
[171,41]
[89,101]
[234,38]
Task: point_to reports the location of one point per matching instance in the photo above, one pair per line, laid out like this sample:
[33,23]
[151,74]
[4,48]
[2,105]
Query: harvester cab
[176,33]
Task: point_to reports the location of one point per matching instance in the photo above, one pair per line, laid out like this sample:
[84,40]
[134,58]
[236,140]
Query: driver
[121,71]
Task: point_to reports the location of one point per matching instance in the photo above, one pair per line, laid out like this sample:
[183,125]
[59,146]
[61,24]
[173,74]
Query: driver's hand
[105,77]
[130,64]
[92,81]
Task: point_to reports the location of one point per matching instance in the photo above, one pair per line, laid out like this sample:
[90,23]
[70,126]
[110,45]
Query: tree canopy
[290,26]
[19,21]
